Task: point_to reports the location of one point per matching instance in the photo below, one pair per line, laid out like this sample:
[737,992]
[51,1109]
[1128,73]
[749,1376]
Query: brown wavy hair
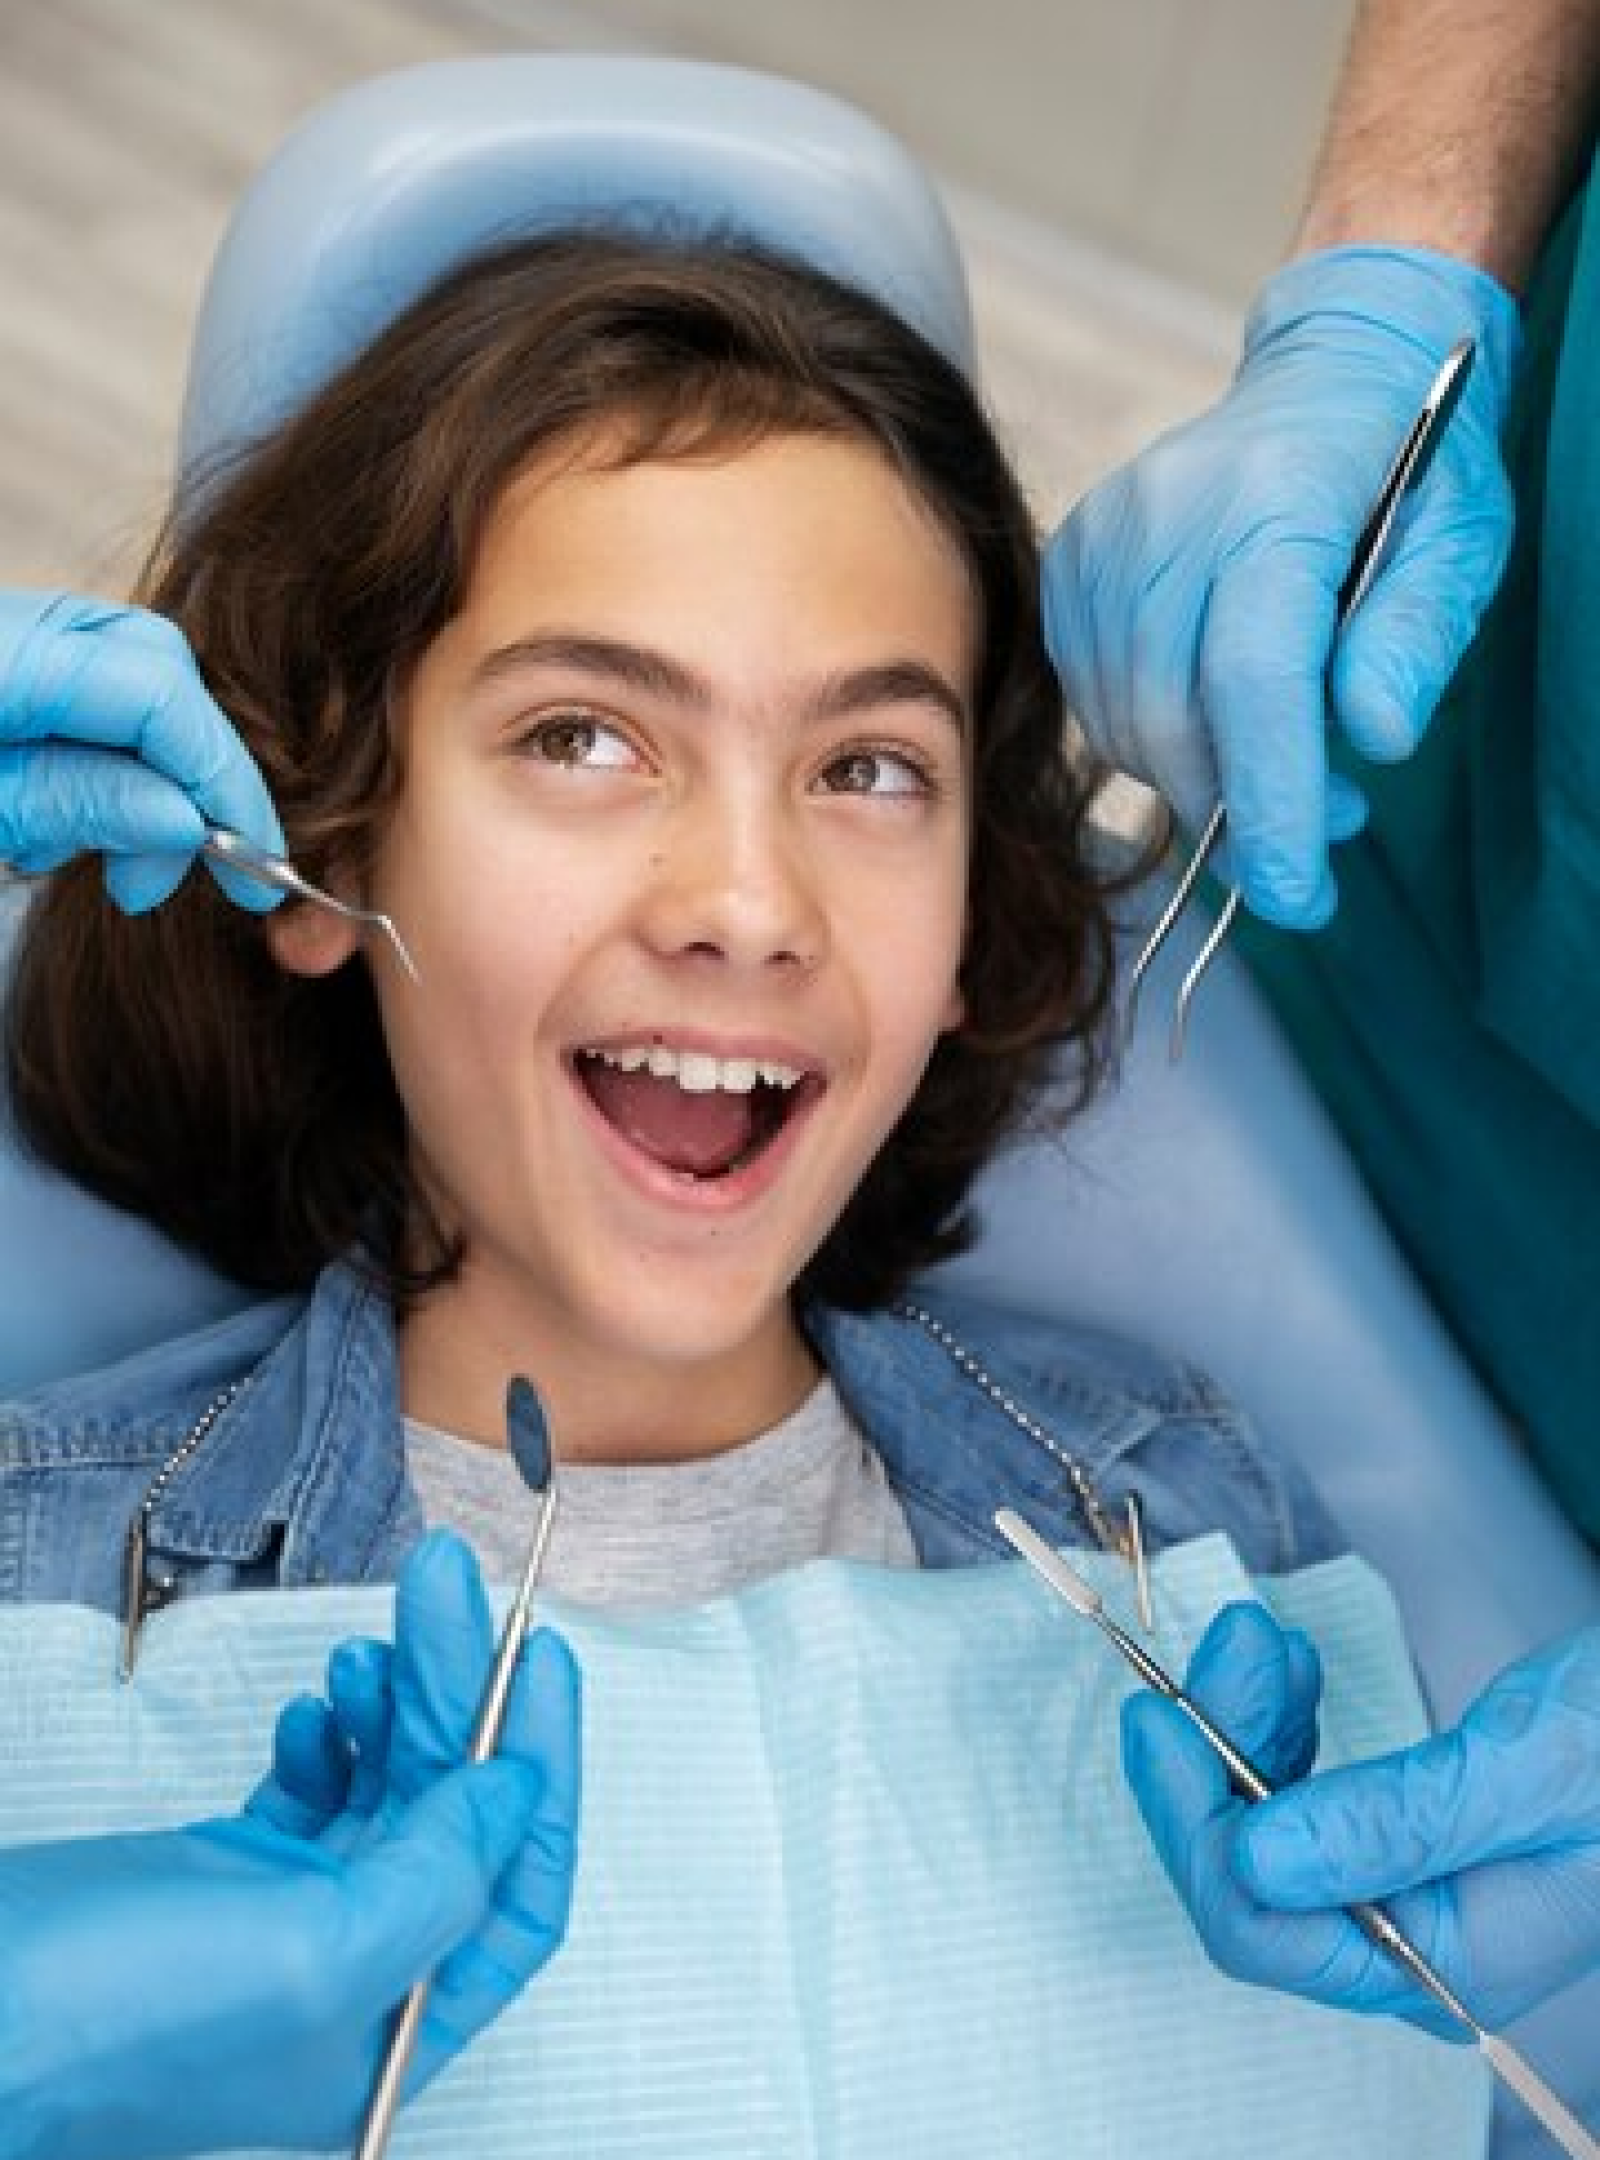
[167,1063]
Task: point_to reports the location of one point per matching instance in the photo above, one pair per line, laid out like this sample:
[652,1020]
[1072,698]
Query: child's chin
[687,1311]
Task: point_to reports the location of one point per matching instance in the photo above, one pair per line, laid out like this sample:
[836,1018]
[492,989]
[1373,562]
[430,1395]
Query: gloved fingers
[1181,1786]
[1534,1733]
[128,679]
[330,1758]
[1347,809]
[310,1777]
[1128,622]
[1261,1685]
[475,1983]
[1192,1815]
[1263,661]
[1124,648]
[443,1650]
[1194,1820]
[532,1902]
[1516,1777]
[544,1720]
[526,1927]
[60,799]
[1067,625]
[125,680]
[1177,754]
[413,1896]
[1529,1926]
[544,1732]
[1111,660]
[1397,653]
[183,733]
[138,883]
[1362,1831]
[244,891]
[360,1691]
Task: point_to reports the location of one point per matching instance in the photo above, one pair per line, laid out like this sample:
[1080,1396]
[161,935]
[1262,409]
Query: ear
[955,1012]
[307,940]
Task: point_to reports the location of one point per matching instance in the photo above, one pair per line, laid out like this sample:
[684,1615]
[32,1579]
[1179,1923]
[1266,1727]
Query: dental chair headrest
[389,186]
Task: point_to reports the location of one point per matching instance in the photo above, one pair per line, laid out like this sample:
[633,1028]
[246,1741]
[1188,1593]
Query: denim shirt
[299,1476]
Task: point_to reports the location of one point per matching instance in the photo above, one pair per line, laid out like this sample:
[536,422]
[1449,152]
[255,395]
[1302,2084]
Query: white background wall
[1123,172]
[1176,134]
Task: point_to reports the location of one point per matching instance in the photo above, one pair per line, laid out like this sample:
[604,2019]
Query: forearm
[1458,125]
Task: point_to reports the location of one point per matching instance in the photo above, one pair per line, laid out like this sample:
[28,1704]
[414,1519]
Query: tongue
[699,1133]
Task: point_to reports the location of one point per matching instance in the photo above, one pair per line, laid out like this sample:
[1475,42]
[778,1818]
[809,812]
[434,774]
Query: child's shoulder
[1079,1357]
[1087,1367]
[973,1391]
[146,1391]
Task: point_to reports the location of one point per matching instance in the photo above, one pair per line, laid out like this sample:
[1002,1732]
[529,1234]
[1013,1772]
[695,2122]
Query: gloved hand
[395,1719]
[1483,1843]
[109,740]
[1190,599]
[230,1985]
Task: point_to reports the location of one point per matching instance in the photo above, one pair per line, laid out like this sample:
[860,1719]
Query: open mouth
[701,1117]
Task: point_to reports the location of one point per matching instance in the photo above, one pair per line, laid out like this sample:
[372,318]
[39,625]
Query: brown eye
[565,742]
[875,772]
[579,742]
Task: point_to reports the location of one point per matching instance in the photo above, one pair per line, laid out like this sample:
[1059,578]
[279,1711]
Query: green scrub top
[1450,1014]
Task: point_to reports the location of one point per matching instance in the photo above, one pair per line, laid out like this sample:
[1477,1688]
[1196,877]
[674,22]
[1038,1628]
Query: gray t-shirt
[660,1534]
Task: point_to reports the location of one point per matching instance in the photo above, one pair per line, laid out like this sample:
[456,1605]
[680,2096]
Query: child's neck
[457,1353]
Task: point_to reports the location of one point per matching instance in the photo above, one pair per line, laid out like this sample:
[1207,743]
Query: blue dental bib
[860,1878]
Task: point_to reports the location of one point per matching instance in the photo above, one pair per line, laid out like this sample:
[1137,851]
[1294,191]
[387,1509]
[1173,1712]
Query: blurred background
[1121,173]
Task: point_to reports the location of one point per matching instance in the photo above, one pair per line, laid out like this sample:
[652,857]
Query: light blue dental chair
[1208,1208]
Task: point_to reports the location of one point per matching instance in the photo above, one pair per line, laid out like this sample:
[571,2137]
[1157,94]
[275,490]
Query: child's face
[688,775]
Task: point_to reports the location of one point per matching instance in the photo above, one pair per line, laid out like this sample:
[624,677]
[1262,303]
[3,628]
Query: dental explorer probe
[1411,461]
[1372,1920]
[528,1437]
[235,852]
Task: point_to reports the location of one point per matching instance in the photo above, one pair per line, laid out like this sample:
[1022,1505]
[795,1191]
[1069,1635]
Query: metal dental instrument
[1372,1920]
[237,853]
[528,1436]
[1410,463]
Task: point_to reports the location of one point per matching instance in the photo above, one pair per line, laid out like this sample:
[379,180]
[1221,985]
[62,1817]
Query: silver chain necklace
[1126,1538]
[141,1596]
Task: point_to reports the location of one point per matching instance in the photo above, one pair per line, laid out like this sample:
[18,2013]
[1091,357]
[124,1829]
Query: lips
[702,1120]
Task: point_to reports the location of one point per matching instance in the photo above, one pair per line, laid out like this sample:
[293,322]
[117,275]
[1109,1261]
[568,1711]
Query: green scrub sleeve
[1450,1013]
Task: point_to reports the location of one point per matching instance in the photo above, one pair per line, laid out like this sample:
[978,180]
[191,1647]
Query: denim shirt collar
[978,1374]
[308,1455]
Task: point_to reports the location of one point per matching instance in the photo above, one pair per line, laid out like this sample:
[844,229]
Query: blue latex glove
[230,1985]
[1190,599]
[110,741]
[1484,1842]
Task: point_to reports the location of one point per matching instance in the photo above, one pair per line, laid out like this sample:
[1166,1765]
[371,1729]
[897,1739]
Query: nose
[734,880]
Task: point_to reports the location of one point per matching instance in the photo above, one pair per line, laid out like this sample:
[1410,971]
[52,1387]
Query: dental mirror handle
[385,2102]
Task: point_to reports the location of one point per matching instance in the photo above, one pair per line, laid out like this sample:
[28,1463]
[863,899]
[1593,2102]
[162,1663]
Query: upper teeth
[697,1074]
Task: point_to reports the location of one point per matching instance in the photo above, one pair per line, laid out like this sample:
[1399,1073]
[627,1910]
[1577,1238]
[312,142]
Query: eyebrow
[638,667]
